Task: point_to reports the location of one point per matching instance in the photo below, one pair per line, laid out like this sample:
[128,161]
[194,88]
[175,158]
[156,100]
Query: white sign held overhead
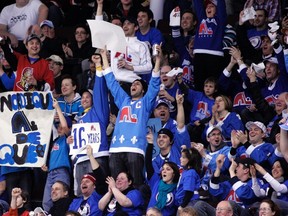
[105,33]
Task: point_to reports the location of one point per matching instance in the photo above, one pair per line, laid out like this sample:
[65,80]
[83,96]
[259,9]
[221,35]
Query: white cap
[272,60]
[258,124]
[56,59]
[212,128]
[40,210]
[174,71]
[48,23]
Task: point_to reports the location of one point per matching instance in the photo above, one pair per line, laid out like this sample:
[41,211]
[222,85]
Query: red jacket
[14,212]
[39,69]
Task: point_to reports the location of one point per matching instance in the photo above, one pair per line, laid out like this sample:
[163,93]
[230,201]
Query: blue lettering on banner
[78,136]
[27,100]
[93,138]
[28,147]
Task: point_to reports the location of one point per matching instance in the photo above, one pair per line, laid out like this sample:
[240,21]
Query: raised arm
[16,192]
[61,117]
[99,11]
[180,110]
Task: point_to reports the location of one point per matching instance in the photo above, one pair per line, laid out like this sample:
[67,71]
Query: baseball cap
[56,59]
[174,71]
[211,1]
[31,37]
[90,176]
[212,128]
[47,23]
[87,90]
[272,60]
[40,210]
[245,161]
[257,123]
[162,102]
[264,36]
[167,132]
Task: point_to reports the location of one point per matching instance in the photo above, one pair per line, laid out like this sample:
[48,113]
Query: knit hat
[167,132]
[214,2]
[90,176]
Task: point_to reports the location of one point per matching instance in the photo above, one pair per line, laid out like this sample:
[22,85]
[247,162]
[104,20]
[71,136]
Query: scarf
[164,189]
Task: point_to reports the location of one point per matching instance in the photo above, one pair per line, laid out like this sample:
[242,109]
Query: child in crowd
[201,107]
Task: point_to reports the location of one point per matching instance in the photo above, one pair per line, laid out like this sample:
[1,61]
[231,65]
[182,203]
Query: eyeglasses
[222,209]
[264,209]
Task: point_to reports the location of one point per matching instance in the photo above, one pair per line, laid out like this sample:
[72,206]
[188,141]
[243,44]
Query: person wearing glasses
[78,50]
[224,208]
[268,208]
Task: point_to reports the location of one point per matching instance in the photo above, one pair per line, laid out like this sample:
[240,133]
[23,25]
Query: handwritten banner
[26,125]
[154,124]
[85,134]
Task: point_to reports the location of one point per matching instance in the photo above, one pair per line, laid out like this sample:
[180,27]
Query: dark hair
[175,169]
[147,11]
[25,196]
[191,12]
[194,159]
[64,185]
[266,14]
[274,207]
[129,177]
[284,166]
[67,76]
[82,26]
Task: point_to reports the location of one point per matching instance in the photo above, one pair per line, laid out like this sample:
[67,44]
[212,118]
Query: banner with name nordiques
[26,125]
